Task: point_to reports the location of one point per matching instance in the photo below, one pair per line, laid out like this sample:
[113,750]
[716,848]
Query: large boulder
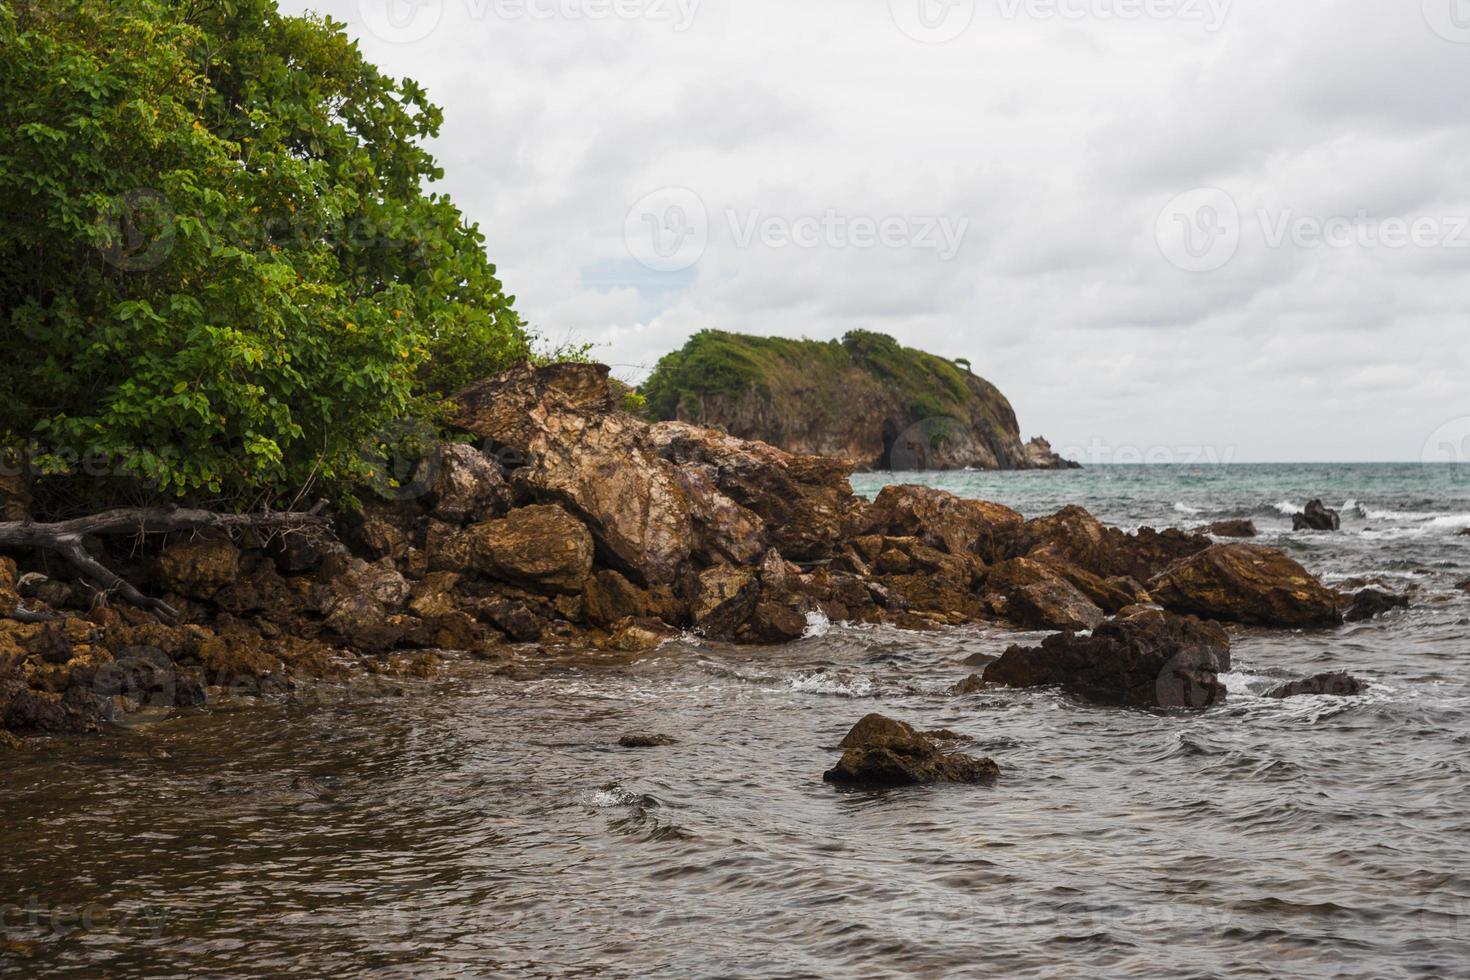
[724,531]
[540,546]
[1032,594]
[805,502]
[197,569]
[881,752]
[942,520]
[1316,517]
[1245,583]
[559,428]
[1144,658]
[608,598]
[465,485]
[1242,528]
[725,596]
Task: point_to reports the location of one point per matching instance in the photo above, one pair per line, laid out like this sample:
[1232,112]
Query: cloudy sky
[1217,229]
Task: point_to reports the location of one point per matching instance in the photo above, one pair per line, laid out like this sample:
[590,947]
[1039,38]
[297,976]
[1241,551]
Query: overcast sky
[1229,229]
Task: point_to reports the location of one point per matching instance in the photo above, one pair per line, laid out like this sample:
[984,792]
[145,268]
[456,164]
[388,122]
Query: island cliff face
[865,400]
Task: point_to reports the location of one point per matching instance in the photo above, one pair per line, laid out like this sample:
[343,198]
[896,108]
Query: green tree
[220,270]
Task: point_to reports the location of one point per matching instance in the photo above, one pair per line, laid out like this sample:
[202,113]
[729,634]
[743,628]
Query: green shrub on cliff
[220,273]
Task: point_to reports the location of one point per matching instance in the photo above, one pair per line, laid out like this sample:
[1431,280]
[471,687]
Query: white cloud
[1058,138]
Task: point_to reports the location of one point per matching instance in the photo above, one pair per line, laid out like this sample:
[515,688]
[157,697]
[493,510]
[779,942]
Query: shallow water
[488,824]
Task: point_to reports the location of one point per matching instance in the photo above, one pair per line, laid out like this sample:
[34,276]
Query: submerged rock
[1316,517]
[1144,658]
[1338,684]
[1246,584]
[882,752]
[1373,602]
[1233,529]
[646,741]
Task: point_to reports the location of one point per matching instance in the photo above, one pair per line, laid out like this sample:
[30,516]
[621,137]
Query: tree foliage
[220,271]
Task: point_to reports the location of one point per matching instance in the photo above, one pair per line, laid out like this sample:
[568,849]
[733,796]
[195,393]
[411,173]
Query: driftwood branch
[64,539]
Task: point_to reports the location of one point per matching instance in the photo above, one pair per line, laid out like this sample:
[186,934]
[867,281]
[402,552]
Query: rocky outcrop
[1144,658]
[540,546]
[881,752]
[1233,529]
[1246,584]
[1034,595]
[942,520]
[1316,517]
[864,399]
[1335,684]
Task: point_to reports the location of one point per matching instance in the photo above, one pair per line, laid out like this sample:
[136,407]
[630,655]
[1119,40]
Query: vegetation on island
[222,277]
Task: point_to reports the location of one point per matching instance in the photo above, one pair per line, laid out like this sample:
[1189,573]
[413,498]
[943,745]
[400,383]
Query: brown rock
[881,752]
[944,521]
[380,529]
[724,599]
[466,485]
[804,501]
[1246,584]
[197,569]
[1335,684]
[1032,594]
[1373,602]
[1144,658]
[1316,517]
[575,449]
[639,635]
[1075,537]
[1233,529]
[540,546]
[723,530]
[608,597]
[643,741]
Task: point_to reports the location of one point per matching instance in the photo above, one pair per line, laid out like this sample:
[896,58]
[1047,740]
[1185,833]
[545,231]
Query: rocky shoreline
[570,524]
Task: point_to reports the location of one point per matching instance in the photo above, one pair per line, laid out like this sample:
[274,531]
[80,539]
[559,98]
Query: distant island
[865,399]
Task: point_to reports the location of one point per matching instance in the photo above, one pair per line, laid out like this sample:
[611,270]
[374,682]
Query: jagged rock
[805,502]
[1373,602]
[1032,594]
[639,635]
[1073,536]
[723,530]
[1233,529]
[466,485]
[1316,517]
[575,449]
[380,581]
[1144,658]
[646,741]
[608,597]
[364,624]
[1245,583]
[942,520]
[724,599]
[881,752]
[512,617]
[973,684]
[1337,684]
[1109,595]
[380,529]
[1040,456]
[539,546]
[197,569]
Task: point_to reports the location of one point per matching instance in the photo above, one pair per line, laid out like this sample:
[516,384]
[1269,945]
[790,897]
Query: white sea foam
[1287,507]
[817,624]
[836,685]
[1182,508]
[611,796]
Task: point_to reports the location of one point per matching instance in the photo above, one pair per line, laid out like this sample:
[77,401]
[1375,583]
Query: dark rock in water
[1233,529]
[1337,684]
[1316,517]
[1144,658]
[1464,586]
[1246,583]
[973,684]
[980,660]
[1373,602]
[881,752]
[645,741]
[146,675]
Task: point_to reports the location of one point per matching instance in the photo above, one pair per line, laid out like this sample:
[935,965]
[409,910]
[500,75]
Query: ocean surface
[488,824]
